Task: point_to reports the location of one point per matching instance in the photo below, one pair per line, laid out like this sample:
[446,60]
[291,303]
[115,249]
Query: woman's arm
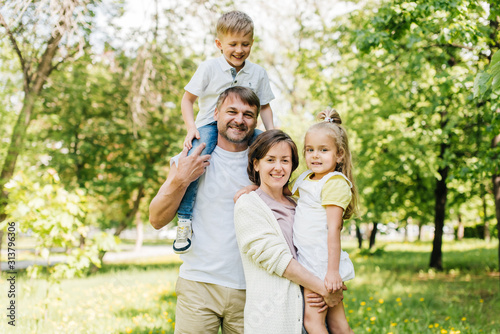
[258,237]
[296,273]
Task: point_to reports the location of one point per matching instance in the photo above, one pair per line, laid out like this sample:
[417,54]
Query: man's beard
[238,140]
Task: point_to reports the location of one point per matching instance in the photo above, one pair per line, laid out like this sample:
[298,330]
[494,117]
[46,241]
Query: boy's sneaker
[182,242]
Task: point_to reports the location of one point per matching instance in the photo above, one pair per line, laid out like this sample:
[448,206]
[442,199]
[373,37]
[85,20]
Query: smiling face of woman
[275,168]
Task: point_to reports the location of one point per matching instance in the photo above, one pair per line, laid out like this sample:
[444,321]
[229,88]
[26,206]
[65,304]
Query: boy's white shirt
[213,76]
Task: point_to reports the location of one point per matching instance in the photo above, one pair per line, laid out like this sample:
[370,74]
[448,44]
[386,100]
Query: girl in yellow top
[326,196]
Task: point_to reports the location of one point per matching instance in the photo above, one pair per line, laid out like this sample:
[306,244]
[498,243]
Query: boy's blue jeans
[208,135]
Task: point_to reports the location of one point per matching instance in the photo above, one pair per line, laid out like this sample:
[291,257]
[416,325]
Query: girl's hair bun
[331,116]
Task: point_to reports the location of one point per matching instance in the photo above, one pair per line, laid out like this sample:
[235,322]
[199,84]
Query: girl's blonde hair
[332,125]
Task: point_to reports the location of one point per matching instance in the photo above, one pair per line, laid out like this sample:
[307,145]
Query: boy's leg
[199,307]
[314,322]
[256,132]
[182,243]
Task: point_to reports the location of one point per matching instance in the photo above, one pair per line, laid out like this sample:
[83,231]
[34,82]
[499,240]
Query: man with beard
[211,285]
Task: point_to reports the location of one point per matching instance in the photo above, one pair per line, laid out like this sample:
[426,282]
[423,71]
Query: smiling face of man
[236,121]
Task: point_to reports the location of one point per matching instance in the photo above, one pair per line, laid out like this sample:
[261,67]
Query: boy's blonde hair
[331,125]
[234,22]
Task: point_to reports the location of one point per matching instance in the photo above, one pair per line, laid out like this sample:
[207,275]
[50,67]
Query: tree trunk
[405,235]
[486,222]
[439,215]
[140,233]
[420,226]
[373,233]
[460,228]
[32,87]
[496,195]
[124,224]
[359,237]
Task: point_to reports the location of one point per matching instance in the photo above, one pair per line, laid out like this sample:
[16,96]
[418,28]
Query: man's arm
[164,205]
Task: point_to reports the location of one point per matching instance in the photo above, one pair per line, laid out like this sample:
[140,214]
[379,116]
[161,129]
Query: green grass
[393,292]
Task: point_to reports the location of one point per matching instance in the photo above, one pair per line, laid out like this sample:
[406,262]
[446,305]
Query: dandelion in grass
[447,318]
[368,308]
[431,326]
[436,325]
[128,330]
[363,303]
[371,298]
[464,318]
[444,331]
[422,299]
[398,299]
[394,324]
[481,300]
[381,301]
[373,318]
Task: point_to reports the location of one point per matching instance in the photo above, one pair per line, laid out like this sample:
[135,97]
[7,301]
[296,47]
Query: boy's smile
[235,48]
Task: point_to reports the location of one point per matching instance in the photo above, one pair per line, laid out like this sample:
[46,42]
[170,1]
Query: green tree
[487,88]
[434,40]
[43,36]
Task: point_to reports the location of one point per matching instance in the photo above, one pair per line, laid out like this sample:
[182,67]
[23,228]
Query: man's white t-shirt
[214,76]
[214,256]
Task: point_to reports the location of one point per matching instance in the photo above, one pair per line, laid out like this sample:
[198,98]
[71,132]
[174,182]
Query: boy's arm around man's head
[164,205]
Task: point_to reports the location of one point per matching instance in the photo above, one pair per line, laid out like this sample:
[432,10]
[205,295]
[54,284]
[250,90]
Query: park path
[127,252]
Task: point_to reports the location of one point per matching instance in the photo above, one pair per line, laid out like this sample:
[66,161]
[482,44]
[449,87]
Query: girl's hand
[246,190]
[191,134]
[335,297]
[333,281]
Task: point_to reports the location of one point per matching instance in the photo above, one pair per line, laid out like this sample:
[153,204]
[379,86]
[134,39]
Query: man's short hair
[235,22]
[245,94]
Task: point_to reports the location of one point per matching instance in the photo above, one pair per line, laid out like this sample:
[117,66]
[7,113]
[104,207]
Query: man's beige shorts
[203,307]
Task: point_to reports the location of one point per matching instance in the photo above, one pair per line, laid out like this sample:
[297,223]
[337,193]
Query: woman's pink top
[284,215]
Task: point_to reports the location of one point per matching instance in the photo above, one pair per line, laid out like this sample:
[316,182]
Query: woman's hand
[246,190]
[333,281]
[316,300]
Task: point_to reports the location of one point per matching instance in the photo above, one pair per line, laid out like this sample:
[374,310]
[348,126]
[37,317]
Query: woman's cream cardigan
[273,303]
